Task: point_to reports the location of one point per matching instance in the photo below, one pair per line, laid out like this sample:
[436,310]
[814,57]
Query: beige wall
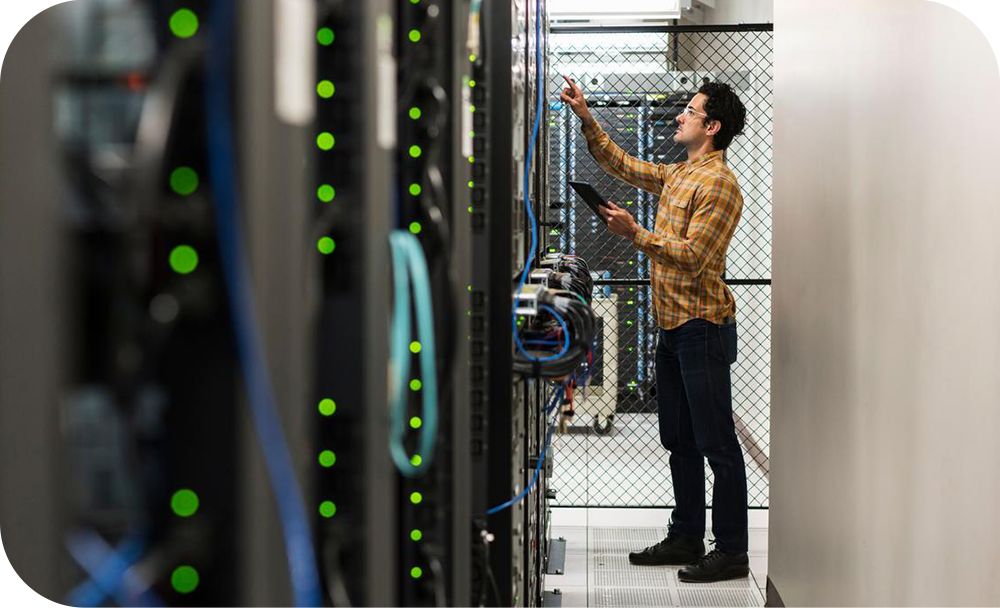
[885,480]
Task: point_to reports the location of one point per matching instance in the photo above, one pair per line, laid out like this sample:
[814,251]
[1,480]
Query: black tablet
[591,197]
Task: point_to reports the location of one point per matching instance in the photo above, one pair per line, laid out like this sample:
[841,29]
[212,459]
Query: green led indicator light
[631,262]
[415,113]
[326,141]
[473,108]
[415,151]
[415,227]
[630,302]
[416,460]
[416,422]
[184,503]
[631,289]
[416,535]
[184,23]
[472,57]
[552,249]
[414,35]
[416,385]
[183,259]
[327,509]
[468,288]
[472,159]
[325,89]
[327,407]
[553,232]
[183,181]
[472,84]
[415,189]
[326,245]
[472,184]
[184,579]
[414,1]
[416,498]
[326,193]
[416,572]
[629,323]
[415,347]
[327,459]
[325,36]
[470,208]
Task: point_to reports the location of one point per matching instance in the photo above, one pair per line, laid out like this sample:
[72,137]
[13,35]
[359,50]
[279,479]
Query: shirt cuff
[642,238]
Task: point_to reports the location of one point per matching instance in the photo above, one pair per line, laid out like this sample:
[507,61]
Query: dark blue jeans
[695,403]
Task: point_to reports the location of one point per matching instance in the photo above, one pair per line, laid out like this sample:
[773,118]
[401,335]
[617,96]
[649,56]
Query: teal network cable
[409,268]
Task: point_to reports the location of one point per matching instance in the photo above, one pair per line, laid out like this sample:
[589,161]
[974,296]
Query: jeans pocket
[715,344]
[720,342]
[729,342]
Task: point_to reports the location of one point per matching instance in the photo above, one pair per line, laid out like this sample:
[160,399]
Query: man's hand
[620,221]
[573,97]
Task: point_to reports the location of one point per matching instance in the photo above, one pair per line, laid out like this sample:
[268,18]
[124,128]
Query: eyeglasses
[689,111]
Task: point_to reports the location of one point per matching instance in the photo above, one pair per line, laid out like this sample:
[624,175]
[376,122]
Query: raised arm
[639,173]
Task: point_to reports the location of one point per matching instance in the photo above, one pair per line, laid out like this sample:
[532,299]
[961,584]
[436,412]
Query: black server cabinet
[429,197]
[354,504]
[508,428]
[154,455]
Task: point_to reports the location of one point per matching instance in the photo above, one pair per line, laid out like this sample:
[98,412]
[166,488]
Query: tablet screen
[591,197]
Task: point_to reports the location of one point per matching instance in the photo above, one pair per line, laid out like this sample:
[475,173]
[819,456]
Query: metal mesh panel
[636,83]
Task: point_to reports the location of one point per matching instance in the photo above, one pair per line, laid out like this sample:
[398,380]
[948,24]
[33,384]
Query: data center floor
[597,572]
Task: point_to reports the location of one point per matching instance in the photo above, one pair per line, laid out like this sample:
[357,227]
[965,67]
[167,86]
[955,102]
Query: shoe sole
[670,563]
[664,563]
[741,572]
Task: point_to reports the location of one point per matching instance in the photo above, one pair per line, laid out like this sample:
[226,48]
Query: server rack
[156,460]
[167,389]
[148,462]
[354,505]
[507,422]
[429,182]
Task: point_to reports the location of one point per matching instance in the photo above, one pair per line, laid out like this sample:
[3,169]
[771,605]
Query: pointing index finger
[569,81]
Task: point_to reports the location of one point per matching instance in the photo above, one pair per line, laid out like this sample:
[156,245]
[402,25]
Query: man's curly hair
[724,105]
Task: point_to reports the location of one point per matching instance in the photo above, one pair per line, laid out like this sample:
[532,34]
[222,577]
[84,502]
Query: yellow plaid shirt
[699,207]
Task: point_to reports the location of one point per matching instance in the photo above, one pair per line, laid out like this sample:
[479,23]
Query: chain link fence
[636,82]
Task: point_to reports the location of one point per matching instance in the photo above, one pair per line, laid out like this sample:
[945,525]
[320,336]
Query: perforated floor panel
[598,574]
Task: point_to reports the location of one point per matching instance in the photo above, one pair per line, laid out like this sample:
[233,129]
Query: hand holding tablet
[592,198]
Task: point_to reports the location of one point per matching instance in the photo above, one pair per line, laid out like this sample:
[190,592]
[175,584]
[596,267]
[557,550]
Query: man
[699,206]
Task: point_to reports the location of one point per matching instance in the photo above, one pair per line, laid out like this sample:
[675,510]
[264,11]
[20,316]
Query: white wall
[739,11]
[885,454]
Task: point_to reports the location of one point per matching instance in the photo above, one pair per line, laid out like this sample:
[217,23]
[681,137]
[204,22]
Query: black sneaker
[674,550]
[716,566]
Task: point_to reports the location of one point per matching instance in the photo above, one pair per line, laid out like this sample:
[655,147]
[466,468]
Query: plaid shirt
[699,207]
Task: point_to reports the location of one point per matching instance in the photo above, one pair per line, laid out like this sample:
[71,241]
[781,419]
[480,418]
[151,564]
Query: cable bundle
[556,333]
[568,272]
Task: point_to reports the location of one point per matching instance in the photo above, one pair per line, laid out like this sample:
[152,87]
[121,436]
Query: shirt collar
[707,158]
